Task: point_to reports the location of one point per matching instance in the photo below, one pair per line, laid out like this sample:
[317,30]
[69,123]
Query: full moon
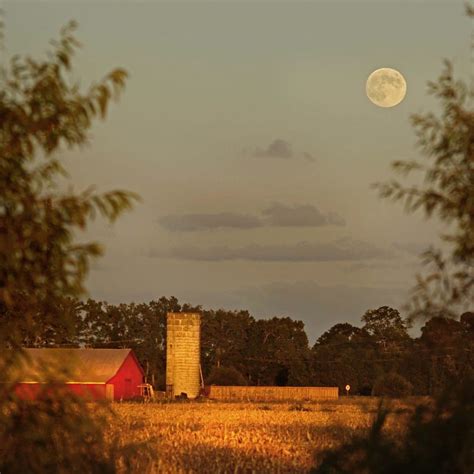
[386,87]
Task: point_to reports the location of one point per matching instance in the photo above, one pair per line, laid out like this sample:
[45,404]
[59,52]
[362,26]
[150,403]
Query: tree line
[377,357]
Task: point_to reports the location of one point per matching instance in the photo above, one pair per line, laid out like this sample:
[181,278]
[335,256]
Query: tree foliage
[392,385]
[43,112]
[385,324]
[226,376]
[446,193]
[439,439]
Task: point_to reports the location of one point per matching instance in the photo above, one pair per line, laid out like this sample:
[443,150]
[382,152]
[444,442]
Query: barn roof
[71,365]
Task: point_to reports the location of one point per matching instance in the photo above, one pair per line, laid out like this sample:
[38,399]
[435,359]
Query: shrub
[439,438]
[226,376]
[55,433]
[392,385]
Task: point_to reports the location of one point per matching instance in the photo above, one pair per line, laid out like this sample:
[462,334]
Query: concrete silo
[183,339]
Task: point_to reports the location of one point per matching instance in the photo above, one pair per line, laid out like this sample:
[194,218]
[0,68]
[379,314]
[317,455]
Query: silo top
[184,319]
[184,316]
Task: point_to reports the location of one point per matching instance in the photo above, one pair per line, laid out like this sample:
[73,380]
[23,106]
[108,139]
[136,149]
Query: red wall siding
[31,391]
[127,379]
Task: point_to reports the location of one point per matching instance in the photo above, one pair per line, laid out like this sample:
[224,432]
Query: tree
[345,354]
[392,384]
[278,352]
[226,376]
[42,266]
[467,320]
[439,438]
[442,333]
[342,334]
[224,339]
[42,112]
[385,325]
[447,141]
[445,346]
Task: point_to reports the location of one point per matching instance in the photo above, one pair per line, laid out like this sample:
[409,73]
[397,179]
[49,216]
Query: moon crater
[386,87]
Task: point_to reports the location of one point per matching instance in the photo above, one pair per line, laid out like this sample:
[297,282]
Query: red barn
[112,374]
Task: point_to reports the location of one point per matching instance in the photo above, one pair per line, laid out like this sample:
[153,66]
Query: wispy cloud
[339,250]
[281,149]
[277,215]
[195,222]
[300,216]
[278,148]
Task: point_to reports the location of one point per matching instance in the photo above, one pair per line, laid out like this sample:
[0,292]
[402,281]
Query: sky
[246,129]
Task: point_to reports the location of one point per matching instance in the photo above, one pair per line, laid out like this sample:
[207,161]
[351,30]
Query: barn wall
[127,379]
[31,391]
[271,393]
[183,354]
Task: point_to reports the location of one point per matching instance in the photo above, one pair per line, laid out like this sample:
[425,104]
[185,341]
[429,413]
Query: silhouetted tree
[386,326]
[278,346]
[392,384]
[225,376]
[225,339]
[345,354]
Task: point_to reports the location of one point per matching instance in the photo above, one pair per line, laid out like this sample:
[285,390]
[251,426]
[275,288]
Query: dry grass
[216,437]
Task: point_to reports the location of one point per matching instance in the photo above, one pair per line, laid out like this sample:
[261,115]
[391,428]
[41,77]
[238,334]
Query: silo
[183,337]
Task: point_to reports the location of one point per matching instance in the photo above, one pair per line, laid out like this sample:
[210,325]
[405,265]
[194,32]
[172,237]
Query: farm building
[112,374]
[183,338]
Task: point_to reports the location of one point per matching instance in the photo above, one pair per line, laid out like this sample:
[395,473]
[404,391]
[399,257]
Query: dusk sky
[247,131]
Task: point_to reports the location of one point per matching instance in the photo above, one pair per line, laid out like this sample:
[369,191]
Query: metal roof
[69,365]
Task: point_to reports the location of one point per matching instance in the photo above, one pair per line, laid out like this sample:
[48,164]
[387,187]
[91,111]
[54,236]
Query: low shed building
[112,374]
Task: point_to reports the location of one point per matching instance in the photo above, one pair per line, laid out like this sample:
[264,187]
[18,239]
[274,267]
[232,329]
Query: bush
[392,385]
[56,433]
[226,376]
[439,438]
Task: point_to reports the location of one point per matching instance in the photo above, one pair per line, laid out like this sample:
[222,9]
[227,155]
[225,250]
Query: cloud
[340,250]
[280,149]
[277,149]
[300,216]
[194,222]
[277,214]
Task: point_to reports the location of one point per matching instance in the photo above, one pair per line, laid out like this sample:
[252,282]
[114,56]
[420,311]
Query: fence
[218,392]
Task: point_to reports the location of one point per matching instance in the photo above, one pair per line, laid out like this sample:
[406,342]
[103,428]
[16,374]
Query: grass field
[216,437]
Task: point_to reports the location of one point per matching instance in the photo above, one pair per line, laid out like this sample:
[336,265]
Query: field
[217,437]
